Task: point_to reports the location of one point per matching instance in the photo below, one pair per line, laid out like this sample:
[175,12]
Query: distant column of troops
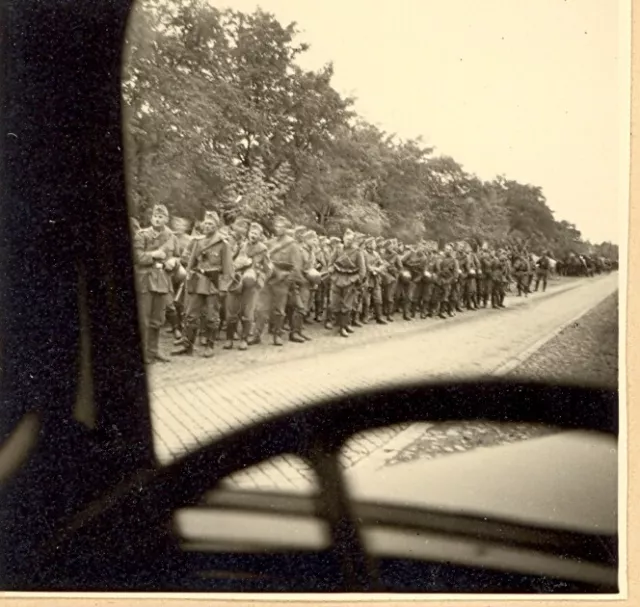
[236,281]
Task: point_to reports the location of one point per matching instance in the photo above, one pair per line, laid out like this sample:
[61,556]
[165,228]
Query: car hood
[567,480]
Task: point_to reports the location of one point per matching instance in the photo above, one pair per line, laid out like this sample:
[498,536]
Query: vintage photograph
[374,270]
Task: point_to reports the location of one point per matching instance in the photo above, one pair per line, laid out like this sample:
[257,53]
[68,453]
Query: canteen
[249,279]
[180,273]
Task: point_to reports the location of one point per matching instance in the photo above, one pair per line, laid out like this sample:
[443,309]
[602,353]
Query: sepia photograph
[314,297]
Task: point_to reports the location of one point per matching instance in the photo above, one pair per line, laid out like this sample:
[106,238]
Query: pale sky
[528,88]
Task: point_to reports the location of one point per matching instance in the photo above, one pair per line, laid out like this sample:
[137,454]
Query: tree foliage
[219,114]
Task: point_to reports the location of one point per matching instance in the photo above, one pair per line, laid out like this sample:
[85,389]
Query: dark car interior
[84,505]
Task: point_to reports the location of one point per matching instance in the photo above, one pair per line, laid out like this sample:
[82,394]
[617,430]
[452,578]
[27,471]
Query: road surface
[195,399]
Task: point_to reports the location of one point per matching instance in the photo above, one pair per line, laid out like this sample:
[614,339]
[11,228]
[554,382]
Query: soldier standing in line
[301,294]
[414,262]
[236,236]
[521,272]
[473,267]
[320,294]
[293,299]
[286,261]
[358,298]
[209,272]
[373,295]
[428,298]
[532,271]
[542,270]
[447,274]
[154,250]
[252,268]
[486,275]
[175,307]
[349,271]
[335,246]
[393,267]
[457,287]
[501,275]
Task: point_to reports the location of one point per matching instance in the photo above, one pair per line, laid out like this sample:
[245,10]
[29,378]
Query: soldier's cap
[257,227]
[211,216]
[334,240]
[380,239]
[310,235]
[299,230]
[349,232]
[160,209]
[369,241]
[359,237]
[280,219]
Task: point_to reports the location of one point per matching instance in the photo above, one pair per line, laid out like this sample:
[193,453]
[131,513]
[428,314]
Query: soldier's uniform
[521,273]
[361,288]
[321,293]
[470,290]
[251,267]
[373,295]
[175,307]
[500,276]
[393,267]
[447,273]
[209,275]
[154,251]
[302,289]
[349,271]
[335,246]
[429,286]
[286,262]
[486,276]
[459,282]
[542,271]
[414,262]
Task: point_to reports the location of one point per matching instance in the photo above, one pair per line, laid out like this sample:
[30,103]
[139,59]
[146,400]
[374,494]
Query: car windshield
[327,198]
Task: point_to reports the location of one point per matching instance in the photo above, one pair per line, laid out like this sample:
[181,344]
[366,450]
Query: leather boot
[295,335]
[440,307]
[259,330]
[186,344]
[405,311]
[450,309]
[344,325]
[277,330]
[244,337]
[231,333]
[344,322]
[174,323]
[377,308]
[365,314]
[153,340]
[212,337]
[354,320]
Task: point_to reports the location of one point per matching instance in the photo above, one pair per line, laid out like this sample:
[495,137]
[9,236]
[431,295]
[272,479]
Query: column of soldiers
[233,284]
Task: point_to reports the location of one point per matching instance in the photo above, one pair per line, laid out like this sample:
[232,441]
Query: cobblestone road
[195,400]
